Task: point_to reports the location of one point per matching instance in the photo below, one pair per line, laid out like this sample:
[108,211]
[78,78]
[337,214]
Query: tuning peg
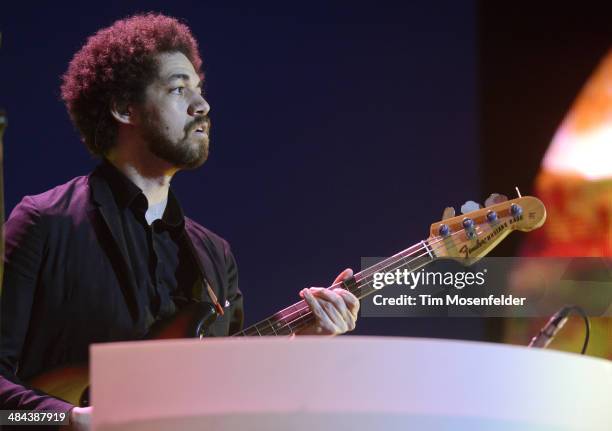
[470,206]
[495,198]
[449,212]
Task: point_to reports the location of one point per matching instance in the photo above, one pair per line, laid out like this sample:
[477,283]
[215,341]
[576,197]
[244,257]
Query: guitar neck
[298,315]
[468,237]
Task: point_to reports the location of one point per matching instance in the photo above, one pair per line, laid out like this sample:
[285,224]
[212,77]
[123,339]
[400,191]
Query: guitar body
[71,383]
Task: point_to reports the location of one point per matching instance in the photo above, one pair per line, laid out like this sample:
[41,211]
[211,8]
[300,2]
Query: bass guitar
[465,238]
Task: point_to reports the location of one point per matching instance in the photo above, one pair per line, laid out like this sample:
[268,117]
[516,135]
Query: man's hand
[80,419]
[335,310]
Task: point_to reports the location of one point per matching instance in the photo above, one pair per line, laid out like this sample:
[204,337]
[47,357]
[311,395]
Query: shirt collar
[129,195]
[124,190]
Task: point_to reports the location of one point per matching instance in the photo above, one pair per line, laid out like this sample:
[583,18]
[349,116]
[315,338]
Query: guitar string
[303,318]
[288,320]
[308,314]
[294,323]
[364,275]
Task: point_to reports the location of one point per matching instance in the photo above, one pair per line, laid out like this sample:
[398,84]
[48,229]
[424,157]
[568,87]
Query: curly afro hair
[115,65]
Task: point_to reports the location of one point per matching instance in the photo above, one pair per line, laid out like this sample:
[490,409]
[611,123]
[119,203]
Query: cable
[549,331]
[587,325]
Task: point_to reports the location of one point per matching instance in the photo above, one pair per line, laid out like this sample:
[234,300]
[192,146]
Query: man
[103,257]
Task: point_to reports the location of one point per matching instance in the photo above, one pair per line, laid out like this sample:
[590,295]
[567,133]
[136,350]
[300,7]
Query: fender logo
[467,251]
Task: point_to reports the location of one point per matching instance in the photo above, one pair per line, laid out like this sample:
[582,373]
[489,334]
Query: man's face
[174,121]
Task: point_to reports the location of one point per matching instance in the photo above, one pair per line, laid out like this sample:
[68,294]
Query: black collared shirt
[158,256]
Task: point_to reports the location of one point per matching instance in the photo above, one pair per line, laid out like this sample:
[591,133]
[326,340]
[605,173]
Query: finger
[334,306]
[330,295]
[338,318]
[344,275]
[341,317]
[338,302]
[317,310]
[352,304]
[352,310]
[351,301]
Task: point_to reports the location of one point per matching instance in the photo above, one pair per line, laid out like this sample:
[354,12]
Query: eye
[178,90]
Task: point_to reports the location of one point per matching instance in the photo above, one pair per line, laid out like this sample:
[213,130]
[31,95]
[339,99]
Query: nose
[199,107]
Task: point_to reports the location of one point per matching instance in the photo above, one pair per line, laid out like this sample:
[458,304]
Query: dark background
[340,129]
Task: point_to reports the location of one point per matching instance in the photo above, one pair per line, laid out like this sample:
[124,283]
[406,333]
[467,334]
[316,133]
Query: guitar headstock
[471,236]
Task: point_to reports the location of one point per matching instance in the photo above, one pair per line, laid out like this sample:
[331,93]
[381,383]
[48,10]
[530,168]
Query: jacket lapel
[208,270]
[106,207]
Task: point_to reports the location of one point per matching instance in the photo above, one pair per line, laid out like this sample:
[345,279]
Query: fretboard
[298,315]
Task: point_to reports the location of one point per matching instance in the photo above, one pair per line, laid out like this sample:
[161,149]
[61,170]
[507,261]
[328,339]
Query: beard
[182,154]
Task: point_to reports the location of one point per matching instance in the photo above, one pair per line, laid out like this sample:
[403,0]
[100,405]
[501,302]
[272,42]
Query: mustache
[200,122]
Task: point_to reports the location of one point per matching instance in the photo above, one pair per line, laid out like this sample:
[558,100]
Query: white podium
[345,383]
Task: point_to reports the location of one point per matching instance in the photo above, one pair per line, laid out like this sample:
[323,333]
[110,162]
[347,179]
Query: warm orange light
[583,144]
[575,184]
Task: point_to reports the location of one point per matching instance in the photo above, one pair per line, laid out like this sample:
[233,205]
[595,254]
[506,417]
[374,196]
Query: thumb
[347,273]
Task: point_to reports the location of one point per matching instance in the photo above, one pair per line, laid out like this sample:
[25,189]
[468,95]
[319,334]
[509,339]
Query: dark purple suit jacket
[67,284]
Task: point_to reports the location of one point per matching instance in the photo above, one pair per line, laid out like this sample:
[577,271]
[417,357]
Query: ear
[121,112]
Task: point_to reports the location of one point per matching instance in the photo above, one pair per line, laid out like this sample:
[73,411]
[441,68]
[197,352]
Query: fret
[271,326]
[276,327]
[280,320]
[292,309]
[301,322]
[258,329]
[285,330]
[261,329]
[290,315]
[349,283]
[429,250]
[303,309]
[280,325]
